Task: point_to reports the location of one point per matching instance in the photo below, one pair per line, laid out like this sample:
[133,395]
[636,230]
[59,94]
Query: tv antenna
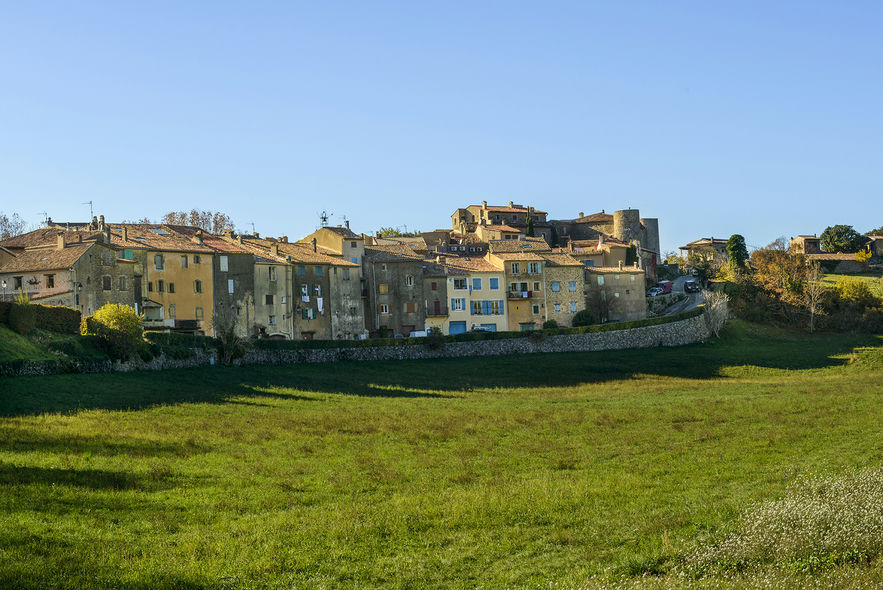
[252,227]
[91,213]
[323,218]
[45,216]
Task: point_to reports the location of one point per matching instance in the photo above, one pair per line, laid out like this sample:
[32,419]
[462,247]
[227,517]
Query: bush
[435,340]
[65,320]
[5,306]
[583,318]
[119,329]
[550,324]
[23,317]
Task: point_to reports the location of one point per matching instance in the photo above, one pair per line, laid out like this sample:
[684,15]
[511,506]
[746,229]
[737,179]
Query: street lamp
[3,284]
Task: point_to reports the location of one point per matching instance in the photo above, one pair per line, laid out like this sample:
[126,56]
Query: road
[692,300]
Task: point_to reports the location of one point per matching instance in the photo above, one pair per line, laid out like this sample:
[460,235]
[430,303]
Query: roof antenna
[45,216]
[91,213]
[252,227]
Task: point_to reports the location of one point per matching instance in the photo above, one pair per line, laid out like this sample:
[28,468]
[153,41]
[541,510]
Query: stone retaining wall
[677,333]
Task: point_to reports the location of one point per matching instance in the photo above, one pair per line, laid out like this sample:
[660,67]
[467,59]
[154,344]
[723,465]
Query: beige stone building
[564,288]
[615,294]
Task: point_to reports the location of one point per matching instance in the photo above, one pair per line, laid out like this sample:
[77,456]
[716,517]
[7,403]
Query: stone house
[395,290]
[564,287]
[84,274]
[615,294]
[525,293]
[707,248]
[477,295]
[806,244]
[514,217]
[435,290]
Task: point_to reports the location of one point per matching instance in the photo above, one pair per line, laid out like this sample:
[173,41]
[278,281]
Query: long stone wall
[677,333]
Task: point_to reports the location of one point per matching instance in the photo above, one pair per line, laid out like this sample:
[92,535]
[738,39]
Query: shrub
[855,292]
[583,318]
[119,329]
[65,320]
[22,316]
[5,306]
[550,324]
[229,343]
[434,340]
[536,336]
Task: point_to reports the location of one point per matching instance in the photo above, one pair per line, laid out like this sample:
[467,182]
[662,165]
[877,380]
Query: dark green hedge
[65,320]
[165,339]
[5,306]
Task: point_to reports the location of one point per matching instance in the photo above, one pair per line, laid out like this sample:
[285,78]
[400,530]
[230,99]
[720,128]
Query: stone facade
[615,294]
[395,296]
[565,292]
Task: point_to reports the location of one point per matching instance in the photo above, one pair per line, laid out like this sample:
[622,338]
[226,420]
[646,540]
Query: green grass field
[526,471]
[874,281]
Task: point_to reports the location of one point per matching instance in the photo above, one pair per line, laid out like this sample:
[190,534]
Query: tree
[631,255]
[813,294]
[394,232]
[119,326]
[11,226]
[230,344]
[737,251]
[780,271]
[210,221]
[529,229]
[716,311]
[875,232]
[842,239]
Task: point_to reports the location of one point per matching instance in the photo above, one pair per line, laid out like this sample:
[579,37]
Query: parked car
[654,291]
[665,286]
[481,329]
[691,286]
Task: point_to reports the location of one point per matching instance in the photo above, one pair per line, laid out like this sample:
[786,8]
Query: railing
[520,294]
[432,312]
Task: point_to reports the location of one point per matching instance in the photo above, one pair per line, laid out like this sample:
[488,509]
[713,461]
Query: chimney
[125,233]
[620,265]
[581,214]
[484,204]
[635,263]
[602,211]
[61,242]
[257,235]
[314,244]
[347,222]
[228,232]
[239,238]
[101,222]
[284,239]
[94,224]
[483,222]
[197,237]
[511,204]
[441,259]
[106,231]
[274,249]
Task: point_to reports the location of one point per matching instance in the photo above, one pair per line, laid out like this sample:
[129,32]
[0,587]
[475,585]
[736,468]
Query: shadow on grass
[741,345]
[21,440]
[95,479]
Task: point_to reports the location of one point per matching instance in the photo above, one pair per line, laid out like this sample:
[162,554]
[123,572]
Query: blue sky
[745,117]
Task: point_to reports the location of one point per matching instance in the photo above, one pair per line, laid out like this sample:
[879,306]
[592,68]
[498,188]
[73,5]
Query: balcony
[432,312]
[520,294]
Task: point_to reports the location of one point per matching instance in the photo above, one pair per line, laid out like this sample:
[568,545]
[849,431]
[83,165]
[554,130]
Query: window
[589,262]
[536,309]
[434,286]
[200,314]
[409,280]
[632,277]
[516,268]
[533,267]
[150,286]
[319,290]
[318,271]
[17,282]
[305,291]
[172,311]
[271,320]
[571,286]
[346,273]
[301,269]
[383,308]
[224,264]
[50,281]
[383,288]
[171,287]
[196,260]
[616,294]
[476,284]
[488,307]
[600,280]
[573,306]
[353,245]
[616,277]
[354,260]
[410,307]
[458,304]
[272,272]
[197,286]
[128,255]
[229,285]
[557,307]
[383,267]
[475,307]
[494,283]
[123,283]
[161,286]
[106,283]
[157,262]
[537,286]
[308,313]
[268,299]
[459,284]
[556,286]
[184,261]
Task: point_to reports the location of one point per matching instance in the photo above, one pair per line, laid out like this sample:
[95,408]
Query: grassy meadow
[555,471]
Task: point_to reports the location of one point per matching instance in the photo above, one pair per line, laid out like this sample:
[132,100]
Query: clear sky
[761,118]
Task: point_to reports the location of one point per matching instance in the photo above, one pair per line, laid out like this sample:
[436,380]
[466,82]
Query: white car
[654,291]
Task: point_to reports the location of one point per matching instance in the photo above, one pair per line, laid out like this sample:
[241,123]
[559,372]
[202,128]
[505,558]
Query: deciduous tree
[842,239]
[211,221]
[11,226]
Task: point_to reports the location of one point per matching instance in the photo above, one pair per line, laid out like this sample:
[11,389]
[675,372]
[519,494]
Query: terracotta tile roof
[460,265]
[592,244]
[594,218]
[704,242]
[48,235]
[415,243]
[392,254]
[831,256]
[341,231]
[522,245]
[557,259]
[297,251]
[508,228]
[530,256]
[153,236]
[40,259]
[50,293]
[216,243]
[508,209]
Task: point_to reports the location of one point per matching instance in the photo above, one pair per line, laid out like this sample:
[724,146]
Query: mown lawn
[520,471]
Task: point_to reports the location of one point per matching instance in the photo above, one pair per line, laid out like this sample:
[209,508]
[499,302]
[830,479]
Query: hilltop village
[497,268]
